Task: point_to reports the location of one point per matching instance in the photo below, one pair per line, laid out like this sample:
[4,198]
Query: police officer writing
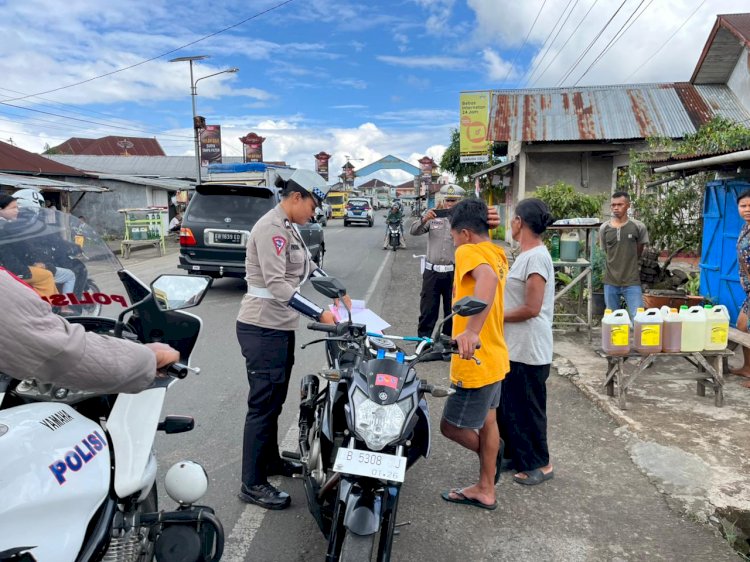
[277,263]
[437,279]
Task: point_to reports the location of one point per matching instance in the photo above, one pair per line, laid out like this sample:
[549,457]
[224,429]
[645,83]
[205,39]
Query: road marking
[240,539]
[238,542]
[376,279]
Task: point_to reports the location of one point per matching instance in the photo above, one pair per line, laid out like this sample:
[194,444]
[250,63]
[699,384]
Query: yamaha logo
[383,396]
[228,219]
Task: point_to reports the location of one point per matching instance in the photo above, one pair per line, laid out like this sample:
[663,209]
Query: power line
[547,48]
[620,33]
[560,50]
[515,57]
[591,44]
[214,34]
[667,41]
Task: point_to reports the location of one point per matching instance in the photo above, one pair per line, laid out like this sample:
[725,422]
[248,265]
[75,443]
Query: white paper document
[361,315]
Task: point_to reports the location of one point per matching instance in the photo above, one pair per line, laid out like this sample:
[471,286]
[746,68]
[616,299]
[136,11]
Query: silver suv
[358,211]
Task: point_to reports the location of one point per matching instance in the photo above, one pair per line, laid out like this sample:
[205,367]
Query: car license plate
[228,237]
[357,212]
[371,464]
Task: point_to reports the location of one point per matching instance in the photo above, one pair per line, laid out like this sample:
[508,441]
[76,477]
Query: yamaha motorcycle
[77,468]
[365,428]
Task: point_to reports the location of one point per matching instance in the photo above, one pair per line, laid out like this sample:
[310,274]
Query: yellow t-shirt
[494,353]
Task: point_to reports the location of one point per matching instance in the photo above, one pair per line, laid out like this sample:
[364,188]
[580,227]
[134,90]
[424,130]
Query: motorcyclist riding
[394,215]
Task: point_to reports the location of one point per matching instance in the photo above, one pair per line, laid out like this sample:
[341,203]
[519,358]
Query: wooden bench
[126,245]
[737,338]
[709,367]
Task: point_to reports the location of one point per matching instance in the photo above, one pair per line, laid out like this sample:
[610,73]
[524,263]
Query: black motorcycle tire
[91,309]
[357,548]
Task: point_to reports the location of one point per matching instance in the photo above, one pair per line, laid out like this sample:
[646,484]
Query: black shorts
[468,407]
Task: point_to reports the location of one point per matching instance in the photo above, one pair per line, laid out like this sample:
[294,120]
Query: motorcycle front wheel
[357,548]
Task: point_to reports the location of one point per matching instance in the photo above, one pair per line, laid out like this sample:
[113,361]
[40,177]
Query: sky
[357,79]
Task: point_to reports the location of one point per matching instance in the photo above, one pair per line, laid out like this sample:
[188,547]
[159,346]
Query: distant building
[109,146]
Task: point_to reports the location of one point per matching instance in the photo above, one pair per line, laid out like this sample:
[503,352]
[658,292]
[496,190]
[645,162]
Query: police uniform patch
[279,242]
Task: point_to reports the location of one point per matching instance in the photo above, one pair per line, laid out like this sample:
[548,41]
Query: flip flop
[534,477]
[463,500]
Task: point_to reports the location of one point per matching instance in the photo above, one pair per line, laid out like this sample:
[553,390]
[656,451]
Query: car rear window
[358,203]
[213,209]
[335,199]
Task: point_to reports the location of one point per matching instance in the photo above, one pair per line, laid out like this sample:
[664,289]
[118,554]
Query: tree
[451,162]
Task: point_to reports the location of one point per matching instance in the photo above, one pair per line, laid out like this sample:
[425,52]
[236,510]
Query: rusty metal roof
[14,159]
[608,112]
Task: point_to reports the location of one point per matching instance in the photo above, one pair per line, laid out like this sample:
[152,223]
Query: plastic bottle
[717,327]
[672,334]
[616,333]
[693,331]
[665,310]
[555,247]
[569,246]
[647,331]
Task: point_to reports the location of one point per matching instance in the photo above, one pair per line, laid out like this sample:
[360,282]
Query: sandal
[534,477]
[463,500]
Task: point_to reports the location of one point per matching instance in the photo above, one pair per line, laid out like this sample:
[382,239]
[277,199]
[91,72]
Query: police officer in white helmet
[277,263]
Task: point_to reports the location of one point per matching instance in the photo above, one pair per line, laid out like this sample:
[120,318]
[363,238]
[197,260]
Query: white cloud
[498,70]
[444,63]
[351,83]
[439,18]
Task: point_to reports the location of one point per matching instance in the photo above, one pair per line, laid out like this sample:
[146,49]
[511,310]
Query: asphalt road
[598,507]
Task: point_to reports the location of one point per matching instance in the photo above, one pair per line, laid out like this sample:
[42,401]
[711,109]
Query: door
[720,281]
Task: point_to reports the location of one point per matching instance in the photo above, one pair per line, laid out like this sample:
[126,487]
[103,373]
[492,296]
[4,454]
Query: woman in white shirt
[529,304]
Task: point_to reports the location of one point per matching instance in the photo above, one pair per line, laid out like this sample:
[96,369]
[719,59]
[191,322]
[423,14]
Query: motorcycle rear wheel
[357,548]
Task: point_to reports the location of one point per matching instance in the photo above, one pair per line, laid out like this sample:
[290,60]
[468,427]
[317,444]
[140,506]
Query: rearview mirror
[329,287]
[175,292]
[469,306]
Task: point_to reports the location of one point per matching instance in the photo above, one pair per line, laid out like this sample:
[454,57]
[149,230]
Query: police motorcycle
[77,468]
[365,428]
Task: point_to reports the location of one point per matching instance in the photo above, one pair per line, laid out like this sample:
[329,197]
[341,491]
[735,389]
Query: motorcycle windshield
[64,260]
[385,379]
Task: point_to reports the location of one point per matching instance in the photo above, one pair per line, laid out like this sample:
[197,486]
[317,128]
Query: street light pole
[193,94]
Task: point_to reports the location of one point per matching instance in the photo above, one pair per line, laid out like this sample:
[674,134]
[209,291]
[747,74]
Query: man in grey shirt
[622,239]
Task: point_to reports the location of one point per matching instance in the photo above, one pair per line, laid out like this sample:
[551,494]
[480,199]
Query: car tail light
[367,207]
[348,206]
[186,237]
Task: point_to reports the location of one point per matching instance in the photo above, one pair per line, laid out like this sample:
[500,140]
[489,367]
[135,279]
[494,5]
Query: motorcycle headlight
[379,425]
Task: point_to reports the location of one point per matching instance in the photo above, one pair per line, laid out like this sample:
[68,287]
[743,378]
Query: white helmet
[29,198]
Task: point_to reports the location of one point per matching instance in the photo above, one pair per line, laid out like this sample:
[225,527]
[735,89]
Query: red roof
[17,160]
[110,146]
[375,183]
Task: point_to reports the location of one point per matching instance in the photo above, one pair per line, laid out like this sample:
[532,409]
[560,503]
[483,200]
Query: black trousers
[269,357]
[522,415]
[435,286]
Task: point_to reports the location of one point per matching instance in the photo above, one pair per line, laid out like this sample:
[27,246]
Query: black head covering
[5,200]
[535,214]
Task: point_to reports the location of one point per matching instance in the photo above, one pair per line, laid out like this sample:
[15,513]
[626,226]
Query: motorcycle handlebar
[321,327]
[178,370]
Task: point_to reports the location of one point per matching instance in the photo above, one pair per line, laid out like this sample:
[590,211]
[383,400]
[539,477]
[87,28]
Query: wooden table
[709,367]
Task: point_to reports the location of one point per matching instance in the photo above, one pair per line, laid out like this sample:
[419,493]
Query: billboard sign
[252,147]
[321,164]
[210,138]
[474,126]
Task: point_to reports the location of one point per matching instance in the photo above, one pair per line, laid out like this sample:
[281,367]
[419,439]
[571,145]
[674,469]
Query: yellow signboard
[475,115]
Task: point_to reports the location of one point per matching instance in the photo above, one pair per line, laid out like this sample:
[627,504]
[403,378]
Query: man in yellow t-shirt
[469,415]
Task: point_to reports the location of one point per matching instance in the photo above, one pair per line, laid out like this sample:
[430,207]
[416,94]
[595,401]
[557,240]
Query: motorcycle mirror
[329,287]
[176,292]
[469,306]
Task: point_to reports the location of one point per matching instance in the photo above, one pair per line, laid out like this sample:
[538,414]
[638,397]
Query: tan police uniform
[437,279]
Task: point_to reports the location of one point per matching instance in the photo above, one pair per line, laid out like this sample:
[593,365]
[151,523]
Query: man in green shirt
[622,239]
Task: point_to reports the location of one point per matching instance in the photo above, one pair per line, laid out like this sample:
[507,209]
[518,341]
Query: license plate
[228,237]
[368,463]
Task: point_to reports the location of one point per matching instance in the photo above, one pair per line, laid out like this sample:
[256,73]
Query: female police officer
[277,263]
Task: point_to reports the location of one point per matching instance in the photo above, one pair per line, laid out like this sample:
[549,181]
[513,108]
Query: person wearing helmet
[394,214]
[15,250]
[277,263]
[43,253]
